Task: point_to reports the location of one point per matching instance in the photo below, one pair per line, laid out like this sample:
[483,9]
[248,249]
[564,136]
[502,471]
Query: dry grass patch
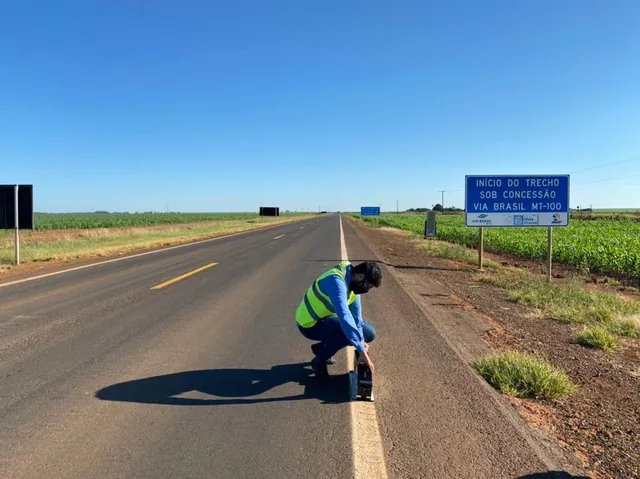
[86,243]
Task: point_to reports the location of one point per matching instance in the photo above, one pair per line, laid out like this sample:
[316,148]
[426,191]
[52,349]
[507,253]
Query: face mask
[360,288]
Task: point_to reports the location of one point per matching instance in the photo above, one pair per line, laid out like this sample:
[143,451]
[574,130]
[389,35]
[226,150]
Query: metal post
[17,226]
[480,247]
[549,252]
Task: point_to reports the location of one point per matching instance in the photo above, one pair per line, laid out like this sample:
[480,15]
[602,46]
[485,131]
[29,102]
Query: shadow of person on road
[234,386]
[552,475]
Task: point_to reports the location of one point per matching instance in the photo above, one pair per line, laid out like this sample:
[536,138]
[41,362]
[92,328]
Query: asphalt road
[103,376]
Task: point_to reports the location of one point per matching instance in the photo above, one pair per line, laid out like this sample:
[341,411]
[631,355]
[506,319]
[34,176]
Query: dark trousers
[331,336]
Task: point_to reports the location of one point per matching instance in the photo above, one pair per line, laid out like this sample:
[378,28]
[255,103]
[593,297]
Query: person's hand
[364,358]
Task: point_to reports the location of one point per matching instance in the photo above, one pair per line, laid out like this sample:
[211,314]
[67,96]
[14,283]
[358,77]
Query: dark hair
[372,272]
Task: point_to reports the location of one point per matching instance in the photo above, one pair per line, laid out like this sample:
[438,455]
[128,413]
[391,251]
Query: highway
[136,368]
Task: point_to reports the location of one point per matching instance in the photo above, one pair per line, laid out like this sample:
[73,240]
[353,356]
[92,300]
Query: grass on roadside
[601,246]
[441,249]
[454,252]
[450,251]
[608,314]
[570,301]
[599,338]
[524,376]
[628,327]
[73,244]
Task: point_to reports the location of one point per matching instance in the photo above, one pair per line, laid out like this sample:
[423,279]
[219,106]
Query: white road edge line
[368,454]
[54,273]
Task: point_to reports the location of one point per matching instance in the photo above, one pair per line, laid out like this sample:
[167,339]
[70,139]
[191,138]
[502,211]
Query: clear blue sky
[226,106]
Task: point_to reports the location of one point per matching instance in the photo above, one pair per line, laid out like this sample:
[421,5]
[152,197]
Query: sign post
[549,252]
[480,247]
[16,211]
[17,220]
[517,201]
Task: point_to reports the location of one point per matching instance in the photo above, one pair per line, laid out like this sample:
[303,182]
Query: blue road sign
[517,201]
[370,211]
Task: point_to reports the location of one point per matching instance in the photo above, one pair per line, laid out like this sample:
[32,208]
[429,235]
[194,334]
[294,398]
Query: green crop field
[57,221]
[598,246]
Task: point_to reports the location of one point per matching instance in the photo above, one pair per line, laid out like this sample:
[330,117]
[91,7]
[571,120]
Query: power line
[628,160]
[598,180]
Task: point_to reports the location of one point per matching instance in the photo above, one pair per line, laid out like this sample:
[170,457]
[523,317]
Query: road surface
[206,376]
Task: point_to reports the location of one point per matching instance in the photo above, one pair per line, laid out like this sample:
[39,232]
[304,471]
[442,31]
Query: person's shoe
[319,369]
[314,349]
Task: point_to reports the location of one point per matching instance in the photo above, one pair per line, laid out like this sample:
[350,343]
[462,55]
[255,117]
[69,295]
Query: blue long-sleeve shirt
[350,316]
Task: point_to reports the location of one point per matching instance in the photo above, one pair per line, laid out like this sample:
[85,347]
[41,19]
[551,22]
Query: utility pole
[397,207]
[442,191]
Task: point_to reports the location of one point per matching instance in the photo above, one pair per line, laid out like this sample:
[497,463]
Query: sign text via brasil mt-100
[516,201]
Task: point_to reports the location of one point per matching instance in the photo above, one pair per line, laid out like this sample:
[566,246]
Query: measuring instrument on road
[364,380]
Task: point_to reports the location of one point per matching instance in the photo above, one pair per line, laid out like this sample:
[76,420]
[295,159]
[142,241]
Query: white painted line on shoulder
[368,454]
[278,237]
[343,245]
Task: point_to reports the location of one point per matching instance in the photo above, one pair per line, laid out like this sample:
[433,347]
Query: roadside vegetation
[610,315]
[61,221]
[599,338]
[524,376]
[569,301]
[595,245]
[46,244]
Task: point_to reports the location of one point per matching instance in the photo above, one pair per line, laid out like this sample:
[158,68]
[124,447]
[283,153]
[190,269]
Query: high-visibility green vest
[316,306]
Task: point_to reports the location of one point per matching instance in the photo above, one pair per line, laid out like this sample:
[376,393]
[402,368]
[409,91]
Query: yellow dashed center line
[183,276]
[278,237]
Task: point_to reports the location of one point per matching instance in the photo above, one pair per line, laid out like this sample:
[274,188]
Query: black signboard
[269,211]
[8,207]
